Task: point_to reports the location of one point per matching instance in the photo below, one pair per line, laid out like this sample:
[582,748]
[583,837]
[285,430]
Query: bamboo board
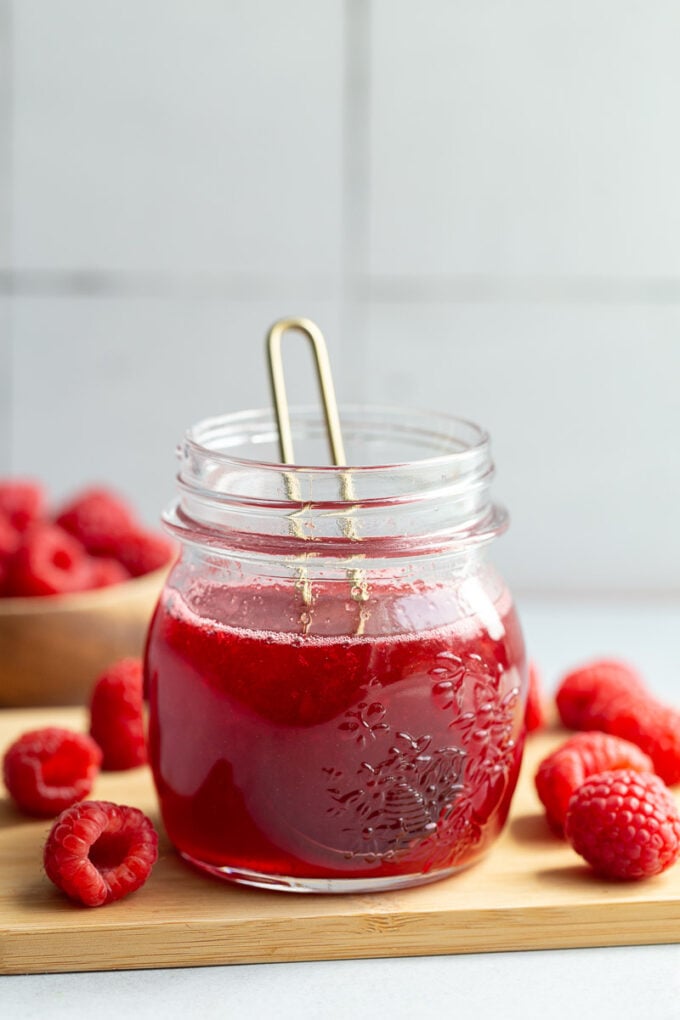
[531,892]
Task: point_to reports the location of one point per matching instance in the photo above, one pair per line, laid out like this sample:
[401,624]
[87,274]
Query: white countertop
[616,983]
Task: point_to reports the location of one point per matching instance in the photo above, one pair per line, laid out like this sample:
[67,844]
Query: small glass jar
[336,673]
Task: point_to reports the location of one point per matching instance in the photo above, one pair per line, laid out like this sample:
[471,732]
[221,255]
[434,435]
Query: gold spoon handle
[325,377]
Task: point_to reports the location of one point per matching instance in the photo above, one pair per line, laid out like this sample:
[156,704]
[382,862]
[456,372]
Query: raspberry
[585,695]
[625,824]
[583,755]
[50,769]
[611,697]
[10,539]
[49,562]
[22,502]
[140,552]
[98,852]
[105,571]
[117,716]
[535,714]
[655,728]
[98,519]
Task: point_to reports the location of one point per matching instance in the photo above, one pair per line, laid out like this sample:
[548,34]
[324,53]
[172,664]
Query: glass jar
[336,673]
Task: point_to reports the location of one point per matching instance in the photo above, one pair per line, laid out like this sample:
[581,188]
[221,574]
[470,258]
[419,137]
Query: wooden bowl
[52,648]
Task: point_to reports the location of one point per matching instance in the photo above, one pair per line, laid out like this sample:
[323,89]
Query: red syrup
[380,755]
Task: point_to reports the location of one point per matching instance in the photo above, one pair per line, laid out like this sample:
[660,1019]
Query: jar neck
[433,498]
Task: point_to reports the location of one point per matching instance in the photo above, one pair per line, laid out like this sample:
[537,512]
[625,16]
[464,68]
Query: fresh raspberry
[562,772]
[22,502]
[98,852]
[585,695]
[98,518]
[611,697]
[117,716]
[654,727]
[49,562]
[140,552]
[10,540]
[50,769]
[10,537]
[535,714]
[625,824]
[105,571]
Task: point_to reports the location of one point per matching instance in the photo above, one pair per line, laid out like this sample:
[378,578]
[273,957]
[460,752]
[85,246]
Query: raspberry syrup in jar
[336,687]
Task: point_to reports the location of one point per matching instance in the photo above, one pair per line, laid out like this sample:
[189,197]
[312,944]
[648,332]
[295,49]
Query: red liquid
[326,755]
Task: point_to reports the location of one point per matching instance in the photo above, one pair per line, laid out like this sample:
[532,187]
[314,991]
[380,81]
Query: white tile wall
[5,135]
[525,138]
[104,388]
[5,385]
[477,201]
[169,136]
[582,406]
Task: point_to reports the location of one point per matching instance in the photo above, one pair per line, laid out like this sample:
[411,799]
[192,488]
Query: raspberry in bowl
[77,589]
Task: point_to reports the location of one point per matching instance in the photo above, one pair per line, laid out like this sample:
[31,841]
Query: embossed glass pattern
[336,687]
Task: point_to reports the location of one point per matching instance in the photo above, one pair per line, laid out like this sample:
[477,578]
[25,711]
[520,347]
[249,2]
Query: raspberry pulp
[117,715]
[388,754]
[562,772]
[625,824]
[50,769]
[98,852]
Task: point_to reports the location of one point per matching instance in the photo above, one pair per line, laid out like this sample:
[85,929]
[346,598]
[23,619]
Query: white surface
[611,984]
[561,634]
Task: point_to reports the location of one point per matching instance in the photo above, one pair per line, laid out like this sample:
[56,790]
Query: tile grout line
[358,287]
[107,283]
[568,288]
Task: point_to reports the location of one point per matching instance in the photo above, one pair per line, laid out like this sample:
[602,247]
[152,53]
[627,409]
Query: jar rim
[239,426]
[413,502]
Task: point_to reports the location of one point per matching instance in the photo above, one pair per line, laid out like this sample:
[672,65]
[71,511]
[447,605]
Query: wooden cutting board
[531,892]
